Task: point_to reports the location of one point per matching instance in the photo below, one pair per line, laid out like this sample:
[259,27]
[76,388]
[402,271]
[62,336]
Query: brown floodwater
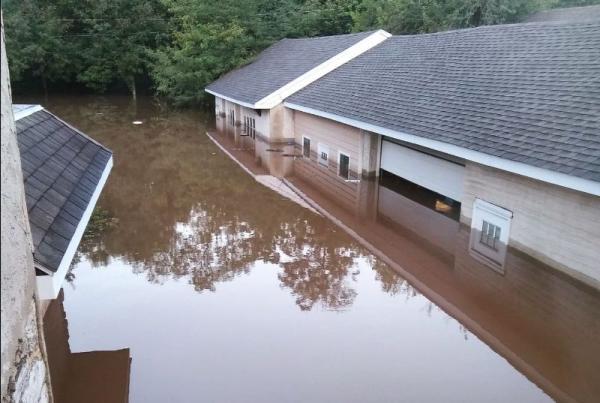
[226,291]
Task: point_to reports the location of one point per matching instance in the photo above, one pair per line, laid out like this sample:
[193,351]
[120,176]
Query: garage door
[433,173]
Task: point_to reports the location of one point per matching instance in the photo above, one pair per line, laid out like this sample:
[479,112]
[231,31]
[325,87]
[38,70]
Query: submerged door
[431,172]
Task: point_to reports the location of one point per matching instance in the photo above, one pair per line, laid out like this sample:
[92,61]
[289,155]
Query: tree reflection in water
[185,211]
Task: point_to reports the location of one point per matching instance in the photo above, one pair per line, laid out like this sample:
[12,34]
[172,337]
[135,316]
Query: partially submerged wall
[24,370]
[262,121]
[558,226]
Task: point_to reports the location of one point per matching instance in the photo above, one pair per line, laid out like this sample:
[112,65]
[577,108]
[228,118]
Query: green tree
[323,17]
[114,41]
[210,39]
[35,42]
[199,54]
[417,16]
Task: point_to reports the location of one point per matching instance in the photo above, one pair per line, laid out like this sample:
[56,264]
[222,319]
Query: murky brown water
[225,291]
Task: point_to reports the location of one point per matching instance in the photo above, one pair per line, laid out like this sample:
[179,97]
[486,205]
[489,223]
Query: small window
[323,154]
[306,147]
[490,235]
[490,229]
[344,166]
[232,117]
[250,126]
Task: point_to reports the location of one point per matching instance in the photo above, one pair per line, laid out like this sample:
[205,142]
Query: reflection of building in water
[545,323]
[94,376]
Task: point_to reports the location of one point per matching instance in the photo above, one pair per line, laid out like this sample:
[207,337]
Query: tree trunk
[45,86]
[132,88]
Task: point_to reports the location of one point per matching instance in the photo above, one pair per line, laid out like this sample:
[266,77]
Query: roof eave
[49,285]
[519,168]
[236,101]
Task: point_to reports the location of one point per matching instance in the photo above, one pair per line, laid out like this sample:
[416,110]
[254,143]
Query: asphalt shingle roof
[61,169]
[281,63]
[525,92]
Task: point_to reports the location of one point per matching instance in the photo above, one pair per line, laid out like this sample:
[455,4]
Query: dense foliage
[179,46]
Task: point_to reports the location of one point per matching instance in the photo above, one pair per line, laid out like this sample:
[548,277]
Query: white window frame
[339,160]
[309,146]
[323,148]
[499,217]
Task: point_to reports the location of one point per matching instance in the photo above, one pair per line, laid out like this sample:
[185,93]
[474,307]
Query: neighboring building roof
[290,60]
[63,171]
[567,15]
[528,93]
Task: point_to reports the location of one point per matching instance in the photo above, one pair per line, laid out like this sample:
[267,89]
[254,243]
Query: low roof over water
[280,64]
[63,170]
[528,93]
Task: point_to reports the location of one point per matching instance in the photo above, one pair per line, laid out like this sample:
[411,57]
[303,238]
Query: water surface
[227,292]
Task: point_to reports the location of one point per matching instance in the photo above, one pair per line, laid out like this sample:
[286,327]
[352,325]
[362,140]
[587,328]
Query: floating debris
[137,122]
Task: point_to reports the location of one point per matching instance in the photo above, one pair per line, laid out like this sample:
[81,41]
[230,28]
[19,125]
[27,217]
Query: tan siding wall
[262,121]
[337,136]
[343,193]
[263,124]
[558,226]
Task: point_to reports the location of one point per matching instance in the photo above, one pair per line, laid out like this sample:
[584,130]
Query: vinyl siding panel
[339,137]
[556,225]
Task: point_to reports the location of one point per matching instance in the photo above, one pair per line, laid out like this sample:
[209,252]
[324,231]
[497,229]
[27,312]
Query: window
[344,166]
[323,154]
[232,117]
[306,147]
[490,228]
[250,126]
[490,234]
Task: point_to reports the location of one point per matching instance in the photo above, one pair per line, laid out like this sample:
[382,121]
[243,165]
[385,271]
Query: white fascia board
[235,101]
[275,98]
[27,111]
[530,171]
[49,285]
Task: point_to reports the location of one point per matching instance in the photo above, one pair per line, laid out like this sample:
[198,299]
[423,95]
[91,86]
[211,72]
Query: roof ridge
[499,26]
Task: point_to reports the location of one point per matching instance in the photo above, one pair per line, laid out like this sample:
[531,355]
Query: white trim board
[322,69]
[530,171]
[277,96]
[49,285]
[31,109]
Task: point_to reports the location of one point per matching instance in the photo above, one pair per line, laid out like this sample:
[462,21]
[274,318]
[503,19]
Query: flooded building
[252,96]
[64,172]
[500,122]
[495,127]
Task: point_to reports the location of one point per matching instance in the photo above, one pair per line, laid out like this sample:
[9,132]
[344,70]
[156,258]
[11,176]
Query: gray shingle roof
[61,169]
[279,64]
[526,92]
[567,15]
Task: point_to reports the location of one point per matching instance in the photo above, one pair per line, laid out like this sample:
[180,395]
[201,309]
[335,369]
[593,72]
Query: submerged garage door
[433,173]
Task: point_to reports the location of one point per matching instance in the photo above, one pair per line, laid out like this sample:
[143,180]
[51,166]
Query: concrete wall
[24,370]
[558,226]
